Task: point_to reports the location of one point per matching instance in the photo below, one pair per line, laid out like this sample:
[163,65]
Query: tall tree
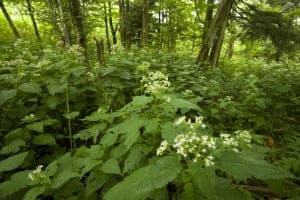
[124,22]
[9,20]
[106,28]
[52,7]
[212,43]
[31,13]
[77,17]
[64,17]
[145,22]
[110,20]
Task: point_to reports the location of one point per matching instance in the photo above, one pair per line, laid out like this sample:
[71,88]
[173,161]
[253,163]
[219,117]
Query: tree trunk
[31,13]
[100,51]
[52,5]
[9,20]
[106,28]
[65,22]
[78,24]
[145,22]
[208,17]
[112,28]
[214,38]
[124,23]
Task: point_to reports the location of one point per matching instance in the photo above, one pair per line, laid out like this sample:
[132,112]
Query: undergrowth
[147,125]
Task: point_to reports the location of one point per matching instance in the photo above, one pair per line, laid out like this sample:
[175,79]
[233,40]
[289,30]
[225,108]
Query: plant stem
[69,120]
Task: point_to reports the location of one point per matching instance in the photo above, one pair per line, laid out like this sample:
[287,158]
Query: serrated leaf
[34,192]
[244,165]
[62,178]
[143,181]
[111,166]
[44,139]
[95,181]
[12,162]
[136,105]
[30,87]
[169,132]
[6,95]
[134,158]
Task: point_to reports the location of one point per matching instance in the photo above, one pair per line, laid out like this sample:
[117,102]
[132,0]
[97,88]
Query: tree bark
[31,13]
[145,22]
[9,20]
[112,28]
[211,46]
[65,22]
[78,25]
[106,28]
[208,17]
[52,5]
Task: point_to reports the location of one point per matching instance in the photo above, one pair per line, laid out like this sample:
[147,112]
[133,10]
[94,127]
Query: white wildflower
[162,148]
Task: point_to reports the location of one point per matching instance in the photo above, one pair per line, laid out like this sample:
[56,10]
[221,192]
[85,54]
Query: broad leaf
[44,139]
[143,181]
[6,95]
[30,87]
[111,166]
[34,192]
[244,165]
[95,181]
[12,162]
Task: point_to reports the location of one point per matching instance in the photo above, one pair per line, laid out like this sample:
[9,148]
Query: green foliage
[124,114]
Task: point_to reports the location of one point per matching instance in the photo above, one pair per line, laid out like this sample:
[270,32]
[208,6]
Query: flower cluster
[37,176]
[198,123]
[192,146]
[156,83]
[234,141]
[29,118]
[162,148]
[144,67]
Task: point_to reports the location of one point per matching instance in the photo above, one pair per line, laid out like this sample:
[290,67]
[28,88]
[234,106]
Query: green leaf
[182,103]
[34,192]
[6,95]
[36,126]
[13,147]
[111,166]
[136,105]
[20,133]
[169,132]
[62,178]
[125,75]
[244,165]
[44,139]
[131,129]
[30,87]
[72,115]
[95,181]
[134,158]
[143,181]
[18,181]
[12,162]
[56,88]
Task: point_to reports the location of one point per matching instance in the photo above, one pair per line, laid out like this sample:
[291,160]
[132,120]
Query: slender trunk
[64,21]
[208,17]
[122,21]
[100,51]
[106,28]
[53,16]
[230,49]
[214,38]
[112,28]
[145,22]
[9,20]
[78,25]
[31,13]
